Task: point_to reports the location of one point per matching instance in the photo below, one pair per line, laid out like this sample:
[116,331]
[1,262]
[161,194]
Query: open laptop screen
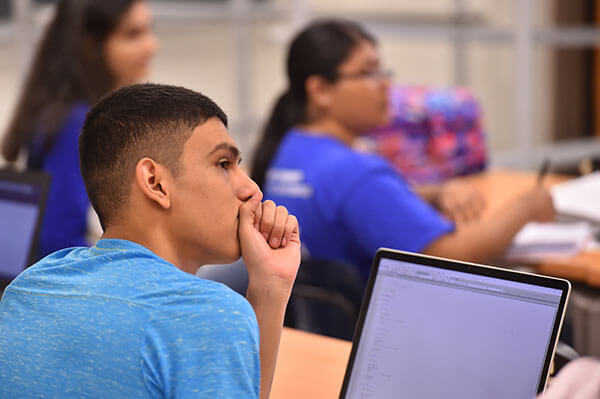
[432,332]
[22,196]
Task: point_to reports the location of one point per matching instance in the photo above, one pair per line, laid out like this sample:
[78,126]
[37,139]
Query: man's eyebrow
[228,147]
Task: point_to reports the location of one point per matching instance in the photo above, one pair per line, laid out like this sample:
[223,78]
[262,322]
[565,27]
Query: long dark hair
[319,49]
[68,67]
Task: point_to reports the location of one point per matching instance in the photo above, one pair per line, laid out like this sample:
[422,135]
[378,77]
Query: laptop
[436,328]
[22,199]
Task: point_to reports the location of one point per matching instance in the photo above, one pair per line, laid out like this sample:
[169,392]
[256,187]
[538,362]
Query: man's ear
[153,181]
[318,91]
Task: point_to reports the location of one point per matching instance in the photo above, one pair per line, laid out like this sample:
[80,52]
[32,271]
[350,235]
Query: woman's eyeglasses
[377,74]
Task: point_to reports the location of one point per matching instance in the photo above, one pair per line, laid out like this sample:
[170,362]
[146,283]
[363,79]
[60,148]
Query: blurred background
[532,64]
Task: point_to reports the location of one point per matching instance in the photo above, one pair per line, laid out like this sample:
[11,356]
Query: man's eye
[224,164]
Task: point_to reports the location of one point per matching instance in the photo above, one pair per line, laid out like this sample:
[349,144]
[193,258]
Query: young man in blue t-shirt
[127,317]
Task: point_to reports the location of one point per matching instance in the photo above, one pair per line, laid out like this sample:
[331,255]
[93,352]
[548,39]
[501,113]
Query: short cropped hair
[144,120]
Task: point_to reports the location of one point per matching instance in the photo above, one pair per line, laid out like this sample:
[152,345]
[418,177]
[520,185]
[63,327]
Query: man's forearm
[269,300]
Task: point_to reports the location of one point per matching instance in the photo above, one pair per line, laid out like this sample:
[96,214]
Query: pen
[543,170]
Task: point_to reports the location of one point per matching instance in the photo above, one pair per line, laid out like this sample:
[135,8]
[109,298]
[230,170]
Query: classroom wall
[202,56]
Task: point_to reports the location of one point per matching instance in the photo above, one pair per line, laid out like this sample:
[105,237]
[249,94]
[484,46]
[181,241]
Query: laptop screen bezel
[482,270]
[40,180]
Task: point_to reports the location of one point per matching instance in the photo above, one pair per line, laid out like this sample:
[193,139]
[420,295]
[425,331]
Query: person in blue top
[350,203]
[127,318]
[90,47]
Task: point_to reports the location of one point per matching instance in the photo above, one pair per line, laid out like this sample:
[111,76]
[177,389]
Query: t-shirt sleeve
[380,210]
[203,349]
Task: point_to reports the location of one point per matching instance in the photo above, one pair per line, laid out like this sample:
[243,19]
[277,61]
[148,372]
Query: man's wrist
[271,286]
[268,292]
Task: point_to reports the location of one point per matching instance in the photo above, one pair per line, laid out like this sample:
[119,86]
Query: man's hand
[269,240]
[270,244]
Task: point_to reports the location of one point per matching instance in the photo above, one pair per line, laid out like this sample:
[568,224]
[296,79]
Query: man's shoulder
[204,309]
[198,293]
[155,283]
[117,270]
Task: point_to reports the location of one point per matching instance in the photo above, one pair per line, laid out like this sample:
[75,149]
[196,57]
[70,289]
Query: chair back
[325,299]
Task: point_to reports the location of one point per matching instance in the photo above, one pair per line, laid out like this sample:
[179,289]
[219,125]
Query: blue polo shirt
[348,203]
[117,321]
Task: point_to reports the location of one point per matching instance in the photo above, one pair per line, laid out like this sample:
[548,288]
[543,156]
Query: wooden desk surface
[309,366]
[500,187]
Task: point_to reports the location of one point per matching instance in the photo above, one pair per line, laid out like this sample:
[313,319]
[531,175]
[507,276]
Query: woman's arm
[488,239]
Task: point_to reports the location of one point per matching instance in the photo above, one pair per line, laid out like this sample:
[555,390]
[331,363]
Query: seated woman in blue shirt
[89,48]
[350,203]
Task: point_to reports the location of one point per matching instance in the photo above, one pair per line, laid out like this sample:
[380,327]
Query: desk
[500,187]
[309,366]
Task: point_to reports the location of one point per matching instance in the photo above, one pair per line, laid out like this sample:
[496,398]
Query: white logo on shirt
[288,183]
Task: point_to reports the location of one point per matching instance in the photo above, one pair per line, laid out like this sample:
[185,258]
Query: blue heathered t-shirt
[117,321]
[348,203]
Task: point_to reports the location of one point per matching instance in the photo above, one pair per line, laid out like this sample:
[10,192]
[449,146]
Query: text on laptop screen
[19,210]
[432,333]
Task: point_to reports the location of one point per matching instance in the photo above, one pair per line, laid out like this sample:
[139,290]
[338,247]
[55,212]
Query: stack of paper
[579,198]
[539,241]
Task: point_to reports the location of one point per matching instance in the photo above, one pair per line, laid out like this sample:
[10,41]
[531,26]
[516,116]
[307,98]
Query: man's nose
[247,188]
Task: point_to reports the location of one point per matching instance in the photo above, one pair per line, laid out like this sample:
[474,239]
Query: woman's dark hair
[67,67]
[318,50]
